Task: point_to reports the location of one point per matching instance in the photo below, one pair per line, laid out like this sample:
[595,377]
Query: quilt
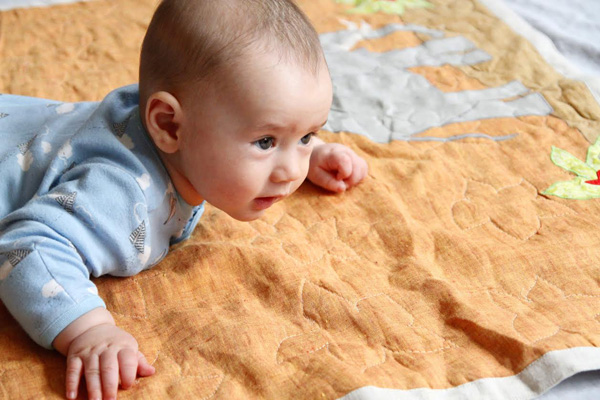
[464,266]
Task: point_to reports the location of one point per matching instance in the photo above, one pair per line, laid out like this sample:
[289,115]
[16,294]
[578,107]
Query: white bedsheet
[572,25]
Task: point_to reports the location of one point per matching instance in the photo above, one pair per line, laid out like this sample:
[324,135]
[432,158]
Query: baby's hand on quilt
[335,167]
[104,354]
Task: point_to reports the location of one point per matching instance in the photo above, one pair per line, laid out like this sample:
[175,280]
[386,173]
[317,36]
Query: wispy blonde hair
[188,41]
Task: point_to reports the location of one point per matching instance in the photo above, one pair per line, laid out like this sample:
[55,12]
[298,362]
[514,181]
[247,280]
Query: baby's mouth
[262,203]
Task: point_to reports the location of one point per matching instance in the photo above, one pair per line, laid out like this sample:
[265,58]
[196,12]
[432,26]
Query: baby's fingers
[340,162]
[328,181]
[74,371]
[109,371]
[144,367]
[92,377]
[128,366]
[359,171]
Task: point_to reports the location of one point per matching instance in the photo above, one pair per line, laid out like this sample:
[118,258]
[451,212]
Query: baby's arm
[335,166]
[94,346]
[44,275]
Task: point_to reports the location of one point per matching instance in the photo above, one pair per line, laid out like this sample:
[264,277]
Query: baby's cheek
[305,169]
[297,184]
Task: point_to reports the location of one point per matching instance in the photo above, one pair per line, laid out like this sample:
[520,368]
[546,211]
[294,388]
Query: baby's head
[231,92]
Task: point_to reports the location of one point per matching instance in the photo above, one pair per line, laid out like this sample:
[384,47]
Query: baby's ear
[163,121]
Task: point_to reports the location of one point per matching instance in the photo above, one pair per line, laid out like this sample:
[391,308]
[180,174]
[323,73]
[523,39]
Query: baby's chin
[247,216]
[254,210]
[246,219]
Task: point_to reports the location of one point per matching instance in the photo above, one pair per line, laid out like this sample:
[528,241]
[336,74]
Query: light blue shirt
[82,192]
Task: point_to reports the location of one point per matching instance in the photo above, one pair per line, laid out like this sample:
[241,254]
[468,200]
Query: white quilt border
[11,4]
[537,378]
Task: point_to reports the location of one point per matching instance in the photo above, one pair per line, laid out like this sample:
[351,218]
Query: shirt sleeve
[92,222]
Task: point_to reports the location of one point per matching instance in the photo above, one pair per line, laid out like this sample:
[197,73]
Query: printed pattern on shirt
[119,128]
[64,108]
[52,289]
[16,256]
[67,201]
[25,157]
[138,237]
[24,147]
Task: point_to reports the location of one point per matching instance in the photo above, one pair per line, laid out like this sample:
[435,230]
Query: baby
[230,97]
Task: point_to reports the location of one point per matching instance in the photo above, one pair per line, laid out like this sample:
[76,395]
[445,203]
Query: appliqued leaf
[386,6]
[567,161]
[575,189]
[593,155]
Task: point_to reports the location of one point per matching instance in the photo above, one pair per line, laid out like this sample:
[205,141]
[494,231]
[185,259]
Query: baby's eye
[265,143]
[306,138]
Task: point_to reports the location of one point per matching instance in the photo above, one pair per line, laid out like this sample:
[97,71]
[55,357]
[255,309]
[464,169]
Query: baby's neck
[180,182]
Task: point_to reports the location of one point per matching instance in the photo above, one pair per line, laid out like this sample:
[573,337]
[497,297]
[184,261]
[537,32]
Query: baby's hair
[189,41]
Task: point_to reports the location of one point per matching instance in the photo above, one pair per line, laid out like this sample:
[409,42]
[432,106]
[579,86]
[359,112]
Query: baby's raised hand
[103,353]
[335,167]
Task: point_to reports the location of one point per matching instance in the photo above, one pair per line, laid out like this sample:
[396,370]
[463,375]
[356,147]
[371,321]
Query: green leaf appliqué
[385,6]
[584,186]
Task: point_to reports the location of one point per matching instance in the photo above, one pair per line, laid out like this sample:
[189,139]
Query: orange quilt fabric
[448,264]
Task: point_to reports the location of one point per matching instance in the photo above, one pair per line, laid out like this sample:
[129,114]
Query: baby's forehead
[241,72]
[267,51]
[265,94]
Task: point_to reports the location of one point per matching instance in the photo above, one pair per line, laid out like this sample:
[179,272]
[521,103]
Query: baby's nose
[288,170]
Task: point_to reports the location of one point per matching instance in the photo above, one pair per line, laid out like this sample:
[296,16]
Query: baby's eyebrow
[316,128]
[274,127]
[268,127]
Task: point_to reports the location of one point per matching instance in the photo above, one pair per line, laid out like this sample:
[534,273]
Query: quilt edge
[13,4]
[543,45]
[537,378]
